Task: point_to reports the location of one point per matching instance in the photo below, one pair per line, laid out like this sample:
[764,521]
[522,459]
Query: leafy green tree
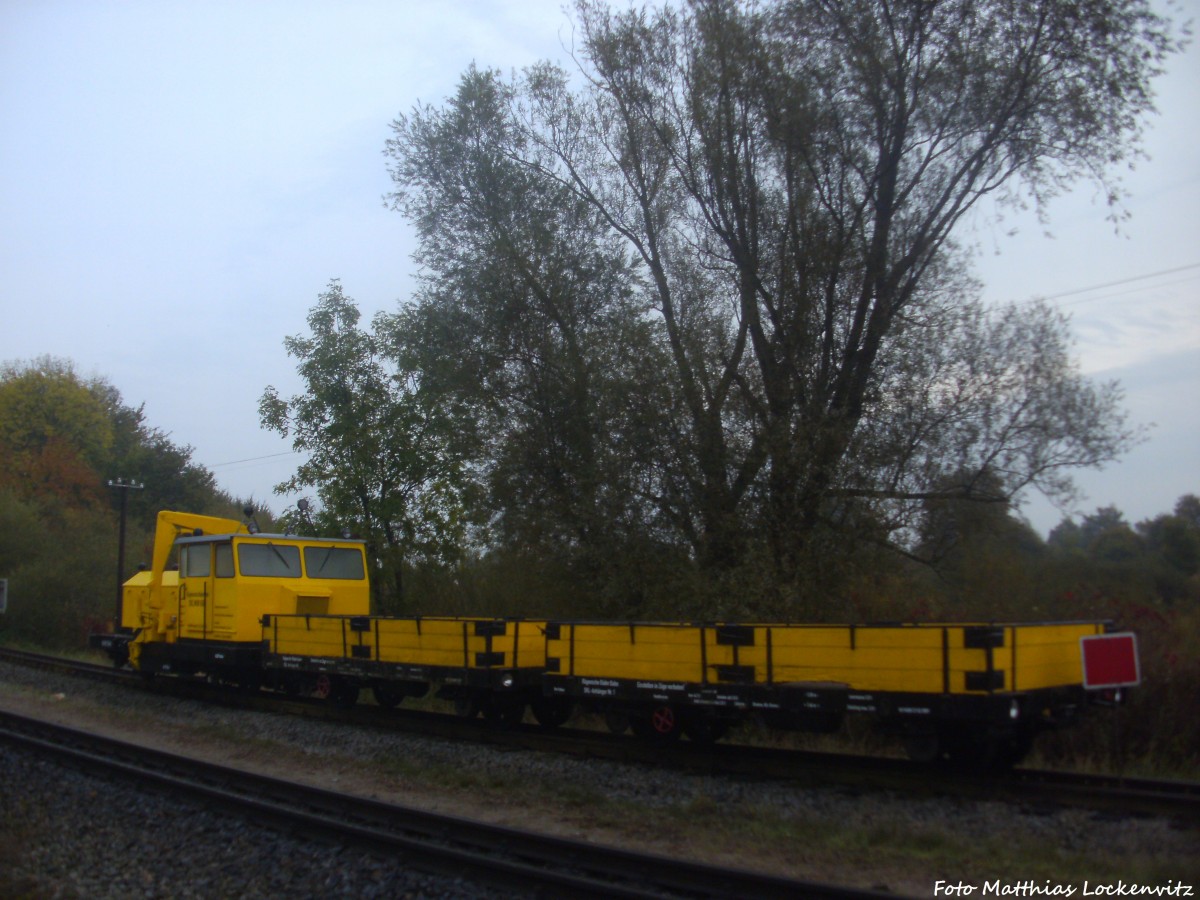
[376,449]
[1117,545]
[770,195]
[1104,520]
[1066,537]
[531,325]
[1102,535]
[1188,509]
[1176,538]
[952,521]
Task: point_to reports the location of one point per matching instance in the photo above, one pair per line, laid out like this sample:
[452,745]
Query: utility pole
[124,487]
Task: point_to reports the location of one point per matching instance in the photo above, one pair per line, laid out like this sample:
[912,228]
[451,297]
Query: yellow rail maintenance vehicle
[293,614]
[970,692]
[204,614]
[488,666]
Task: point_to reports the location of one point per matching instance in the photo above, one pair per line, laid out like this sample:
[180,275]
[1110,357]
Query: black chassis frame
[190,655]
[816,705]
[373,671]
[184,657]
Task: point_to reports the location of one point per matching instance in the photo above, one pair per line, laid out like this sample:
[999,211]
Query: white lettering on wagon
[598,687]
[659,686]
[861,703]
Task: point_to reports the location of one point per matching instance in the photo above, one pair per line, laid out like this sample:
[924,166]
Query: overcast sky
[180,180]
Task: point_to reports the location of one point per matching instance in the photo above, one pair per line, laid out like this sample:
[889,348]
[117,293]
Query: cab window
[224,557]
[334,562]
[195,561]
[269,560]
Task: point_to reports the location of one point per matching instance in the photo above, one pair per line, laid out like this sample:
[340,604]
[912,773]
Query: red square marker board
[1110,661]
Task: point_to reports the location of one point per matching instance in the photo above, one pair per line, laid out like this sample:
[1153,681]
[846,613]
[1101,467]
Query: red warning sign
[1110,661]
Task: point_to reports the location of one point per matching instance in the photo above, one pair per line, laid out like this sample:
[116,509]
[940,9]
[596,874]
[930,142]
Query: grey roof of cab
[290,538]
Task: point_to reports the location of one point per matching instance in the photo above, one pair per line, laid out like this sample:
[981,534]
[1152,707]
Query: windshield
[334,562]
[269,560]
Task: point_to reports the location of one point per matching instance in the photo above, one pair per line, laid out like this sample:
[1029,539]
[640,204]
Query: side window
[224,557]
[195,561]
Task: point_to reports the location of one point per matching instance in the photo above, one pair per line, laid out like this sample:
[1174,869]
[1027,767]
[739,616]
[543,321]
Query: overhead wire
[1119,282]
[235,462]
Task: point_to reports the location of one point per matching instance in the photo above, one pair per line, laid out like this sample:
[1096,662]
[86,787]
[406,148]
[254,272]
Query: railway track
[1115,794]
[492,855]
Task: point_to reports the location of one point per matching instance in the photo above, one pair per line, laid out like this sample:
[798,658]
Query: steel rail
[64,665]
[495,855]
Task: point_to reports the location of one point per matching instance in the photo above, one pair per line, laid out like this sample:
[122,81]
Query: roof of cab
[290,538]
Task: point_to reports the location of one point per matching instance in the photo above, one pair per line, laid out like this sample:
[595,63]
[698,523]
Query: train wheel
[502,709]
[344,695]
[551,712]
[386,696]
[249,681]
[706,730]
[922,748]
[616,722]
[971,751]
[1008,751]
[1013,750]
[466,707]
[416,689]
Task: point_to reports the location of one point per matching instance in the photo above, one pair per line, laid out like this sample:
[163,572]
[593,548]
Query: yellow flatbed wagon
[947,688]
[489,665]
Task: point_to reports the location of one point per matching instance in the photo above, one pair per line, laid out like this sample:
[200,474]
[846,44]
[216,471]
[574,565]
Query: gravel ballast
[110,840]
[71,835]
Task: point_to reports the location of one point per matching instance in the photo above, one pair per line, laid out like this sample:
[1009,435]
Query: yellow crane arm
[171,524]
